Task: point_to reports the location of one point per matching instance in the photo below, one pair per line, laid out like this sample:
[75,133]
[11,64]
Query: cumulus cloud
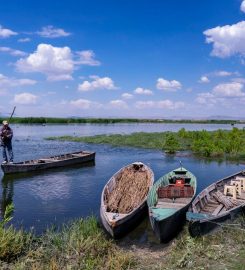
[5,33]
[118,104]
[12,51]
[204,79]
[227,40]
[25,99]
[97,83]
[84,104]
[242,7]
[6,82]
[142,91]
[221,93]
[166,85]
[162,104]
[87,58]
[56,63]
[127,96]
[233,89]
[51,32]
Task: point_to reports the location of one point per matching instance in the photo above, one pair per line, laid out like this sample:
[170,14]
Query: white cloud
[242,7]
[5,33]
[142,91]
[166,85]
[56,63]
[127,96]
[118,104]
[51,32]
[12,51]
[84,104]
[162,104]
[25,99]
[222,93]
[6,82]
[227,40]
[223,73]
[233,89]
[87,58]
[97,83]
[204,79]
[23,40]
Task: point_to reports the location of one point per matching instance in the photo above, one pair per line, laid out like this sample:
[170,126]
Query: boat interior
[220,197]
[177,194]
[54,158]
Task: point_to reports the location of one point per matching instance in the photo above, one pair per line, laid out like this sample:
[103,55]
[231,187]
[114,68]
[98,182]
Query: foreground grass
[79,245]
[83,245]
[218,144]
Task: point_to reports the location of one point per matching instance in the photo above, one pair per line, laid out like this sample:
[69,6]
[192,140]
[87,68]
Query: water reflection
[6,196]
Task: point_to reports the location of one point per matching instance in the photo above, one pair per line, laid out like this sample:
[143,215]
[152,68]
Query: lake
[59,195]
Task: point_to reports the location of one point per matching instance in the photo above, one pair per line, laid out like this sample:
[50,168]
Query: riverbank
[77,120]
[222,144]
[82,244]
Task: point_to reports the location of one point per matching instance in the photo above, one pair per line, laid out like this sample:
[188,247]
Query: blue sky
[123,58]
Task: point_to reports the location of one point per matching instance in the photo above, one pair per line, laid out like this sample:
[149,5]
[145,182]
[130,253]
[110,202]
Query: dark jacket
[6,134]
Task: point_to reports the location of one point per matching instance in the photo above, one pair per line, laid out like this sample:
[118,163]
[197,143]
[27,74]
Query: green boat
[168,202]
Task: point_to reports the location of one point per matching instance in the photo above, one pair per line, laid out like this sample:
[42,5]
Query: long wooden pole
[12,114]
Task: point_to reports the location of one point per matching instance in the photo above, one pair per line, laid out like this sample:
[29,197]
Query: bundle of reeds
[131,188]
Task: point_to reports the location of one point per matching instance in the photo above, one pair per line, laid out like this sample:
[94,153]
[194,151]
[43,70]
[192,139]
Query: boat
[220,202]
[123,199]
[168,202]
[49,162]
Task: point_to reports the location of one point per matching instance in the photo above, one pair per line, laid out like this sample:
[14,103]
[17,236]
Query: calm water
[55,196]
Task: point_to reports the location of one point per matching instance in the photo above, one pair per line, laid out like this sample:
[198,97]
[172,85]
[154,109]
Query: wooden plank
[169,205]
[217,210]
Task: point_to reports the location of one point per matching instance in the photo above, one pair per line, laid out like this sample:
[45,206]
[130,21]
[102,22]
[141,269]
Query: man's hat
[5,122]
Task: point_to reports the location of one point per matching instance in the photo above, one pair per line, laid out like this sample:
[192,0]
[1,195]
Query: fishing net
[132,186]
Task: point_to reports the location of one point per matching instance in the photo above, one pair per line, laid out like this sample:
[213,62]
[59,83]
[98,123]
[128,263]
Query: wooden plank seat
[218,209]
[163,204]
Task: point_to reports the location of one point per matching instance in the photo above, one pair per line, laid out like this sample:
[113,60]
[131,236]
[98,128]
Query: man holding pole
[6,134]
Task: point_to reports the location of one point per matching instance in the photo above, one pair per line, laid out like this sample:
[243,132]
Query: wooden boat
[123,199]
[50,162]
[217,203]
[168,201]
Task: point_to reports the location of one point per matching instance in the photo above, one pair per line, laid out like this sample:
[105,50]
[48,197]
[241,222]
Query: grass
[222,144]
[82,244]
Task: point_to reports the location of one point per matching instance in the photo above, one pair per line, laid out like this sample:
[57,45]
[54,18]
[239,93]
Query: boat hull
[24,168]
[126,225]
[204,226]
[167,229]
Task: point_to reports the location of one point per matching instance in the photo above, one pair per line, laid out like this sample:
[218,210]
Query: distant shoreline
[51,120]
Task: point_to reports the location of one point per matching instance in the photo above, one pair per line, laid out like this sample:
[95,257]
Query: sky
[124,58]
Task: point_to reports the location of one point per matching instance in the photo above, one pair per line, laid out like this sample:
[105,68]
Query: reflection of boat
[213,205]
[123,199]
[50,162]
[6,197]
[168,201]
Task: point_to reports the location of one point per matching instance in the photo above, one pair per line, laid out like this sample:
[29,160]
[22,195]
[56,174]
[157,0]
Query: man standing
[6,134]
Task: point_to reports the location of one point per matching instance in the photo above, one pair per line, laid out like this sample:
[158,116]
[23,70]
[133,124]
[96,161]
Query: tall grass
[80,244]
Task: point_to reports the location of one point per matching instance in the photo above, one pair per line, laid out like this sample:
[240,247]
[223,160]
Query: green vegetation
[78,245]
[76,120]
[82,244]
[215,144]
